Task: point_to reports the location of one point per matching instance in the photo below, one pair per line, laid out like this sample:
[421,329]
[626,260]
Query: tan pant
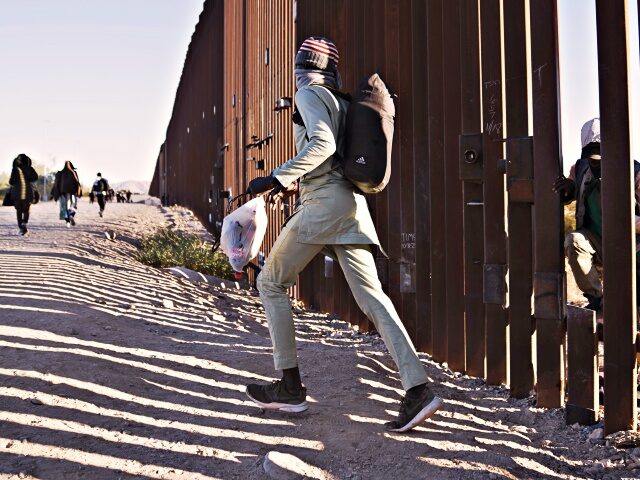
[286,261]
[583,249]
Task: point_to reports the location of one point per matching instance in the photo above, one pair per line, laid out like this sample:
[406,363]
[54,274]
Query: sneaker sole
[423,415]
[280,407]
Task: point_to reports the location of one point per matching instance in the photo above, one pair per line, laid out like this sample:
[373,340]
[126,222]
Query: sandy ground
[110,369]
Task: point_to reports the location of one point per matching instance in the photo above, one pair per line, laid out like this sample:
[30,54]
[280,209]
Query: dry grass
[569,217]
[171,248]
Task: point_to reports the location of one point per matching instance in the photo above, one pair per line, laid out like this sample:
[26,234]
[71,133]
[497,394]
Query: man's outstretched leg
[419,403]
[286,259]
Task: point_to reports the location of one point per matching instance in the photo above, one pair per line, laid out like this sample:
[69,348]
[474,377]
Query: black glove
[262,184]
[565,187]
[279,193]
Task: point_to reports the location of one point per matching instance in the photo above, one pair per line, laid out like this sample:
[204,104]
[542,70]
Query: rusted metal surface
[424,336]
[618,242]
[454,281]
[495,240]
[472,188]
[437,189]
[442,218]
[519,171]
[583,400]
[549,279]
[187,169]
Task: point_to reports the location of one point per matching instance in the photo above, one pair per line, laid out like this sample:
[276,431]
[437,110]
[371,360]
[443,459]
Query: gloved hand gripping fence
[263,184]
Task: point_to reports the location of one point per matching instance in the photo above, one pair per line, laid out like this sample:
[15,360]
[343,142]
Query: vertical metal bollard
[421,178]
[470,157]
[456,334]
[583,399]
[495,257]
[618,232]
[519,171]
[549,277]
[437,181]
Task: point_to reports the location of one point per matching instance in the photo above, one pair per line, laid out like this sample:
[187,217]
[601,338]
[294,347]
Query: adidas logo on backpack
[361,161]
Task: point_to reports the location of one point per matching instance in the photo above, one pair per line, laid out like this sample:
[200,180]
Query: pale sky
[579,73]
[94,81]
[91,81]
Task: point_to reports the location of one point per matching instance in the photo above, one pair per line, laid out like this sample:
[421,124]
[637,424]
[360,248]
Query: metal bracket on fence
[549,292]
[519,169]
[471,156]
[495,284]
[583,401]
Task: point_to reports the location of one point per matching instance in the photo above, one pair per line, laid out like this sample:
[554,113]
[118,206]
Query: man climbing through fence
[332,217]
[583,246]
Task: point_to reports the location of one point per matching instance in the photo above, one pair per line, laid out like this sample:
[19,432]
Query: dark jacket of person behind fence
[583,246]
[22,174]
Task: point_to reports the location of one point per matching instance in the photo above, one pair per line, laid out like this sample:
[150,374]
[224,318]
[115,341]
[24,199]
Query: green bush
[169,248]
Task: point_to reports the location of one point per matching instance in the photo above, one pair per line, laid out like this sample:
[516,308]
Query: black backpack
[100,185]
[366,161]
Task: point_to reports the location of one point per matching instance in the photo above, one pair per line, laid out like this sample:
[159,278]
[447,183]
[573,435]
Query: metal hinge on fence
[549,290]
[495,284]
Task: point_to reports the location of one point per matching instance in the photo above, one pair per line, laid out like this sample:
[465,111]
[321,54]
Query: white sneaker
[68,224]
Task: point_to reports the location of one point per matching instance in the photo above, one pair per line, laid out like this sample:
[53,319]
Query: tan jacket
[332,210]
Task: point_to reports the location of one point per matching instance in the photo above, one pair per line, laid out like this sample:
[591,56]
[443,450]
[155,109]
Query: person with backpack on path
[332,217]
[22,192]
[66,190]
[583,246]
[100,189]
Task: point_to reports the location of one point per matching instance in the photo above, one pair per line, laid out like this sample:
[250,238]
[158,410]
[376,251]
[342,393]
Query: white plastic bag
[243,231]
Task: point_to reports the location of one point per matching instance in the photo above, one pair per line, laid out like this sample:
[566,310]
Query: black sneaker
[414,411]
[275,396]
[23,229]
[73,221]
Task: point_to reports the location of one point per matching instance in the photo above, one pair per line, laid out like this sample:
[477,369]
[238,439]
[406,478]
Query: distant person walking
[100,189]
[22,174]
[66,189]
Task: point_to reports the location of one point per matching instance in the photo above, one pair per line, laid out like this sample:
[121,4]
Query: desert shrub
[170,248]
[569,218]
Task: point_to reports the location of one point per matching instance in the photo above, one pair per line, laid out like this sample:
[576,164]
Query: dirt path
[110,369]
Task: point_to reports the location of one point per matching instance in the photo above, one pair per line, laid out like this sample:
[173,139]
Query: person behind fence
[583,246]
[22,191]
[66,190]
[100,189]
[332,217]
